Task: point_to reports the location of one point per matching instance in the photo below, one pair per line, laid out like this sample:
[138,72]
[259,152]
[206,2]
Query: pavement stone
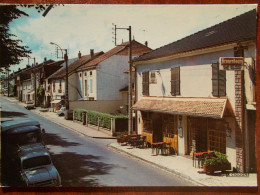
[179,165]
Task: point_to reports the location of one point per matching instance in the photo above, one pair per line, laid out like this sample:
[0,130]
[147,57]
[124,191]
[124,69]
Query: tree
[11,50]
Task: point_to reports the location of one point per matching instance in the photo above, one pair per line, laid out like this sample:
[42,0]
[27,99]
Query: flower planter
[209,169]
[120,140]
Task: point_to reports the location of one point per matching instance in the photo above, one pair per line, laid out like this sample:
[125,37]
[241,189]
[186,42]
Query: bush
[93,116]
[217,159]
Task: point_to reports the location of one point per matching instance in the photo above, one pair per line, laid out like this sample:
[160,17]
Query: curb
[177,173]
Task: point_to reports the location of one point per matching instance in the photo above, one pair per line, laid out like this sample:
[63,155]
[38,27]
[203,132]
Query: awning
[201,107]
[55,101]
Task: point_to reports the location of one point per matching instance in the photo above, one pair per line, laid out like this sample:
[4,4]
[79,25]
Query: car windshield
[36,162]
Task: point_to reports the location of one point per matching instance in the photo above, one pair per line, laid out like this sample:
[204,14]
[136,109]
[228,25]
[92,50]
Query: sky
[84,27]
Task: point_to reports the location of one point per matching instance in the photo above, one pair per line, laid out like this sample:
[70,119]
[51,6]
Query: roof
[18,123]
[240,28]
[137,50]
[201,107]
[74,65]
[32,148]
[23,129]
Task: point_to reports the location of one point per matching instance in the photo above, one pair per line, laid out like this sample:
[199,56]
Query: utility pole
[130,91]
[67,81]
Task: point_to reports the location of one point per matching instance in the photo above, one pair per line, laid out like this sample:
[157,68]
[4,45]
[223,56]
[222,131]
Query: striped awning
[201,107]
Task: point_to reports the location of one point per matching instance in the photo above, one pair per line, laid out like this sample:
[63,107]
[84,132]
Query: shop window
[169,125]
[175,81]
[145,83]
[147,122]
[218,81]
[217,136]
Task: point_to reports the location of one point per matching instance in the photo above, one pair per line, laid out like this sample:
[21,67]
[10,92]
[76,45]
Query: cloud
[85,27]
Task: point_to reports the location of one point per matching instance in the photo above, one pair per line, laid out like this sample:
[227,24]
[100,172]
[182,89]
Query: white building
[100,80]
[184,98]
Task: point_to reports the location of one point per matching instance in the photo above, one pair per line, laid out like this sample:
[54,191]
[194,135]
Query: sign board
[231,63]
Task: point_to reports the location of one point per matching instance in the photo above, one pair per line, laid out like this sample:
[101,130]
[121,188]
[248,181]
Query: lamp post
[65,57]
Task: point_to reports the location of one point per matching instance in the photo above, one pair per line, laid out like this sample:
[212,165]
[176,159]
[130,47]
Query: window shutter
[215,79]
[218,81]
[145,76]
[222,83]
[175,81]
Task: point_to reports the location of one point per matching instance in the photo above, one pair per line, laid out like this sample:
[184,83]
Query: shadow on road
[5,114]
[55,140]
[79,170]
[76,170]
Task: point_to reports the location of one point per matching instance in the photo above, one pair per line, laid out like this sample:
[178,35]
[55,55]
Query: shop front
[188,124]
[160,127]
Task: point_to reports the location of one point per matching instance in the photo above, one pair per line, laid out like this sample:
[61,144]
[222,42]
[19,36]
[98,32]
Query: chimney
[45,59]
[92,53]
[79,55]
[146,43]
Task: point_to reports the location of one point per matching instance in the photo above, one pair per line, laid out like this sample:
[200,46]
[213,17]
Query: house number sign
[231,63]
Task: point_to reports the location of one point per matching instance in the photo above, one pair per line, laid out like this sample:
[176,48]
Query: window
[90,86]
[60,84]
[145,76]
[147,122]
[153,77]
[239,51]
[169,125]
[175,81]
[79,74]
[216,135]
[85,74]
[90,73]
[218,81]
[86,87]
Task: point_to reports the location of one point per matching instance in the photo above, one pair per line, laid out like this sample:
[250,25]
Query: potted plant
[120,138]
[217,162]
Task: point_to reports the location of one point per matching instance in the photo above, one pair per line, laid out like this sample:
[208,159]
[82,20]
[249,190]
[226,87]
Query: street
[83,161]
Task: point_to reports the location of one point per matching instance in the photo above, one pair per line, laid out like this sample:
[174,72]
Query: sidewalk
[179,165]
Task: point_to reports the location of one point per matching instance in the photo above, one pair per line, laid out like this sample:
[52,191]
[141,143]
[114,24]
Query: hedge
[92,117]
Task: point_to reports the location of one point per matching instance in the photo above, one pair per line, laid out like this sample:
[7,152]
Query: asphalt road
[83,161]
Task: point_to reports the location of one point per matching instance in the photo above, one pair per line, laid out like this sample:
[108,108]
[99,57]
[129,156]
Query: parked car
[61,111]
[36,167]
[15,133]
[29,105]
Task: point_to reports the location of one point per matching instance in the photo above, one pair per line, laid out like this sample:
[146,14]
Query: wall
[111,77]
[90,76]
[101,106]
[195,75]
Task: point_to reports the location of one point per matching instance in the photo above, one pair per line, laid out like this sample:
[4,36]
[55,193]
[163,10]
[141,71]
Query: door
[197,134]
[157,128]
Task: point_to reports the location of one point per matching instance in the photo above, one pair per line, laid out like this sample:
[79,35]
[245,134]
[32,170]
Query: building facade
[185,98]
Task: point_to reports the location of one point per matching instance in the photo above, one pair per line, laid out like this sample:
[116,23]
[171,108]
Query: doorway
[157,127]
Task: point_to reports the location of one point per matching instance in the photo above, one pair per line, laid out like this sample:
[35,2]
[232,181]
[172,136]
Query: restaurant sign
[231,63]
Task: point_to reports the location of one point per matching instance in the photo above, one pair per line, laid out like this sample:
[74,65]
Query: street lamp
[65,57]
